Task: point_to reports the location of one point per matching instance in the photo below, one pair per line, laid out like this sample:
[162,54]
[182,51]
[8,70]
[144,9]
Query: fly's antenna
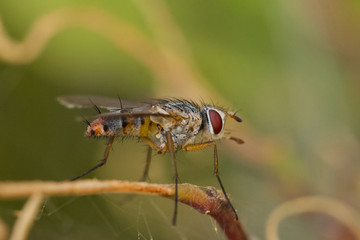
[234,116]
[95,107]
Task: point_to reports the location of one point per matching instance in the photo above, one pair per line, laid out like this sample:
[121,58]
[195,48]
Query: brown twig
[205,200]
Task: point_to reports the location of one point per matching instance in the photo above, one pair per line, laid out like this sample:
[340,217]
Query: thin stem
[26,219]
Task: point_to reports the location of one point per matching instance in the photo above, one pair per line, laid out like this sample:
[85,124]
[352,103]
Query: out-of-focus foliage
[290,68]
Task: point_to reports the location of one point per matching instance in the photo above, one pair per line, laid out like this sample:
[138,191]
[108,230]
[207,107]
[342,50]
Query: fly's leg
[153,145]
[147,165]
[193,147]
[101,163]
[216,171]
[198,146]
[171,148]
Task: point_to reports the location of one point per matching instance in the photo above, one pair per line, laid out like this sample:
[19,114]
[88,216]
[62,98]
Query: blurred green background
[290,68]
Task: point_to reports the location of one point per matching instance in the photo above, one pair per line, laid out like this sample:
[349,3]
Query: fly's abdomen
[140,126]
[131,126]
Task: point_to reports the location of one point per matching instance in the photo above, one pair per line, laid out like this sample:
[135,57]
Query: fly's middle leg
[171,148]
[153,145]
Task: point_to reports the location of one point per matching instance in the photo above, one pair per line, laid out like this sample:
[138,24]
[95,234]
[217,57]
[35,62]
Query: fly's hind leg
[147,165]
[193,147]
[101,163]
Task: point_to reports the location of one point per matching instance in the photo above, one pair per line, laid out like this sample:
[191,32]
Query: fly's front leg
[101,163]
[198,146]
[216,171]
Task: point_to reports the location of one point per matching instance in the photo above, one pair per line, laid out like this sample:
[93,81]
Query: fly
[164,125]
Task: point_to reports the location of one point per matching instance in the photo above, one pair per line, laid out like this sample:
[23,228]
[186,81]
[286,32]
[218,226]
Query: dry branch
[206,200]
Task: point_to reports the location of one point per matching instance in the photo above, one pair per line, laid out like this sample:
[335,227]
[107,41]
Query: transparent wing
[101,102]
[143,112]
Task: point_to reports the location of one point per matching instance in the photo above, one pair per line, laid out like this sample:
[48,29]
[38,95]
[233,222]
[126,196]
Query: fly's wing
[111,104]
[117,107]
[143,110]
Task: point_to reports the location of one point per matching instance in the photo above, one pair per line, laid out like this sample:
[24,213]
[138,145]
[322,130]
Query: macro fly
[165,125]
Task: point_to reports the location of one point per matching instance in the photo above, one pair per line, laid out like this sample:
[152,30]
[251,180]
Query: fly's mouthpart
[237,140]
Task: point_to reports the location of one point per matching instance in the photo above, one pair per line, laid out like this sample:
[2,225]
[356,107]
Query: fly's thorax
[182,121]
[213,123]
[164,121]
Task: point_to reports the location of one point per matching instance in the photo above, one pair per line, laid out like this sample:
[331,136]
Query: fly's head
[214,122]
[98,128]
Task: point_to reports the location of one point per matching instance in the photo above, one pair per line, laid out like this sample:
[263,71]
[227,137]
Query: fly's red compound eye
[216,121]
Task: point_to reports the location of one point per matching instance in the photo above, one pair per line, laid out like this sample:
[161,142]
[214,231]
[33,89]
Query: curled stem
[206,200]
[332,207]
